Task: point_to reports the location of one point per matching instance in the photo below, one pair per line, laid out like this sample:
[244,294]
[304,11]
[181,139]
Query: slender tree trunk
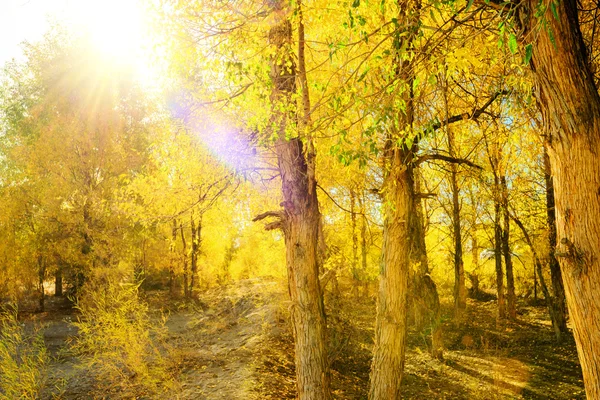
[560,308]
[300,217]
[474,275]
[196,230]
[550,301]
[58,281]
[363,245]
[460,289]
[173,258]
[570,106]
[510,279]
[41,278]
[354,267]
[498,251]
[184,254]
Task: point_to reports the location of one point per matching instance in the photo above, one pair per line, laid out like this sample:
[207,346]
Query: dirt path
[236,344]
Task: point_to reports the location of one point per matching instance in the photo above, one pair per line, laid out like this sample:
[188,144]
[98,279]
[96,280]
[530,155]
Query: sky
[22,20]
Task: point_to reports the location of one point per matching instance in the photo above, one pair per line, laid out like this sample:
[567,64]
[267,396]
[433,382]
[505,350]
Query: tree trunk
[300,217]
[195,253]
[41,278]
[474,275]
[550,301]
[58,281]
[354,267]
[387,366]
[363,245]
[390,331]
[173,258]
[498,250]
[184,254]
[510,279]
[570,106]
[559,322]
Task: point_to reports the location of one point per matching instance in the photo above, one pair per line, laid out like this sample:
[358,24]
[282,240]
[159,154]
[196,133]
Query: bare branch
[274,214]
[476,113]
[441,157]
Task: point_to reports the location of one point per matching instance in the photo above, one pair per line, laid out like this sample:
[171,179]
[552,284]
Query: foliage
[120,343]
[23,359]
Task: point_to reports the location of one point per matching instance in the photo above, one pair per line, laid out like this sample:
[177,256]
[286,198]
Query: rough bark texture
[510,278]
[390,331]
[558,307]
[570,107]
[299,220]
[387,366]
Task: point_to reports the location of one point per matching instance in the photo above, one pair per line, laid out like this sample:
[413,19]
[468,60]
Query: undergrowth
[23,359]
[119,342]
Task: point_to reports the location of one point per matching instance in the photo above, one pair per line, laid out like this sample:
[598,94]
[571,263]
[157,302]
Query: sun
[118,29]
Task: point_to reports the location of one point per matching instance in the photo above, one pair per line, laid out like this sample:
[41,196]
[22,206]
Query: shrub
[117,339]
[23,359]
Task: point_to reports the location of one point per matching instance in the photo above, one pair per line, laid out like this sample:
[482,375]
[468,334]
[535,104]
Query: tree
[570,104]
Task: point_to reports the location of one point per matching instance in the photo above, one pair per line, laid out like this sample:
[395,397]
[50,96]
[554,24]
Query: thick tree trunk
[510,278]
[387,366]
[390,332]
[559,321]
[570,106]
[300,217]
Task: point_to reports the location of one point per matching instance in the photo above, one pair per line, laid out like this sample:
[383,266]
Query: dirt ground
[235,343]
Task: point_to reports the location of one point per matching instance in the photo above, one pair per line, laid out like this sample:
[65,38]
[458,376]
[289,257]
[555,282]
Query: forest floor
[235,343]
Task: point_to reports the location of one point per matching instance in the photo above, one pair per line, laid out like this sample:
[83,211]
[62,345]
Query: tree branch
[441,157]
[274,214]
[466,116]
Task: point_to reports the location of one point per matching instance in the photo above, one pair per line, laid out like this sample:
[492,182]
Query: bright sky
[117,27]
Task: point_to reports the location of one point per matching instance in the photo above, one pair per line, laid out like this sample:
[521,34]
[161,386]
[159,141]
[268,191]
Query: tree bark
[510,278]
[570,107]
[300,218]
[559,312]
[387,366]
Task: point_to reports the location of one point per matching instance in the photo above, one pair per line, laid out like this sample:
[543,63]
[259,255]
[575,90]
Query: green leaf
[554,10]
[356,3]
[512,43]
[528,53]
[469,4]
